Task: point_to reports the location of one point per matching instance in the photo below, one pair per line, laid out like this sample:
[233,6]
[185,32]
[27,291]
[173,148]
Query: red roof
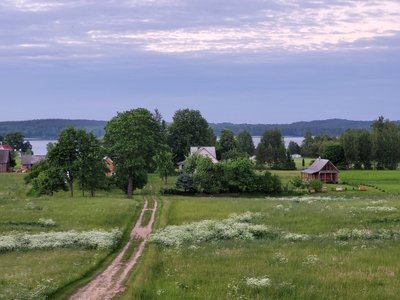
[6,147]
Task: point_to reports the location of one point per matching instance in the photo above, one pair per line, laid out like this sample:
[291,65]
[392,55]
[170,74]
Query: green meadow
[40,274]
[351,251]
[340,246]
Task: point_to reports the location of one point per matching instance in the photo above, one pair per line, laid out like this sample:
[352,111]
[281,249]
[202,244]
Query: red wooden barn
[323,170]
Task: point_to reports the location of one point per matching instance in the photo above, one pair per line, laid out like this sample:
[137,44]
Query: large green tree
[91,166]
[245,143]
[17,141]
[133,139]
[276,152]
[226,143]
[188,128]
[385,144]
[64,155]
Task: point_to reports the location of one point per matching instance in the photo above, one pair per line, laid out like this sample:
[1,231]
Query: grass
[41,273]
[322,268]
[146,217]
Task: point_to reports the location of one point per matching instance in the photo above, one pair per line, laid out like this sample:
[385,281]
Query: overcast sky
[254,61]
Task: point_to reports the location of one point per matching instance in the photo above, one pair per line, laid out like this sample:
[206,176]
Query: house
[27,161]
[5,161]
[209,152]
[110,165]
[323,170]
[6,147]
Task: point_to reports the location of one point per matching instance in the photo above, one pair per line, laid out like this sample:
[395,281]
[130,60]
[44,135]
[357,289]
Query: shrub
[316,185]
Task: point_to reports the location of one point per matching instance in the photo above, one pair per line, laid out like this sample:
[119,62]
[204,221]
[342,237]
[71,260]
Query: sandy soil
[111,281]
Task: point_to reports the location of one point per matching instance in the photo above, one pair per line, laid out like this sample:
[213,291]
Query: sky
[241,61]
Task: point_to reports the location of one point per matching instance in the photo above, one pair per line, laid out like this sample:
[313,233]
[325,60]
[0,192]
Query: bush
[316,185]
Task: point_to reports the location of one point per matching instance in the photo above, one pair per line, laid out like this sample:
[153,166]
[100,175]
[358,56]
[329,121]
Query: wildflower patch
[95,239]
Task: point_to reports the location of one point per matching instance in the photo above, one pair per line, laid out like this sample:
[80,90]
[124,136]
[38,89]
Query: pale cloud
[300,29]
[114,28]
[31,5]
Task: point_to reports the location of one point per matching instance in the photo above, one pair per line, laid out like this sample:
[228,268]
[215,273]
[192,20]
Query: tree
[335,154]
[207,177]
[133,139]
[64,155]
[261,154]
[45,179]
[349,141]
[245,143]
[276,152]
[91,166]
[294,148]
[188,128]
[16,140]
[226,142]
[165,165]
[365,148]
[385,144]
[185,182]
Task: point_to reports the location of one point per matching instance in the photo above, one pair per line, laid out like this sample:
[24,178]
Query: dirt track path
[111,281]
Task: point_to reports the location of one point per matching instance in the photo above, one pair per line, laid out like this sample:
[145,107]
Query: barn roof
[318,166]
[32,159]
[4,156]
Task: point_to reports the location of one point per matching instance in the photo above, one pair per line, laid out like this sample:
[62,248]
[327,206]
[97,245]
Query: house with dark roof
[321,169]
[27,161]
[5,161]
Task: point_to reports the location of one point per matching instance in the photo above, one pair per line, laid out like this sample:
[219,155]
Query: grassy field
[351,250]
[35,274]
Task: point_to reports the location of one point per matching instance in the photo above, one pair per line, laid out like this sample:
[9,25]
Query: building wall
[4,168]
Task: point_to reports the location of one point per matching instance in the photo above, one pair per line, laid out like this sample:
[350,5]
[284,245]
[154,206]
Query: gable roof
[318,165]
[32,159]
[205,151]
[4,156]
[6,147]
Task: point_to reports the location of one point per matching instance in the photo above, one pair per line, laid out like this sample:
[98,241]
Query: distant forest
[50,128]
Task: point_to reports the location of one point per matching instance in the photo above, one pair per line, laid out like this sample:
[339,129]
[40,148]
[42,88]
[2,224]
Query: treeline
[140,142]
[331,127]
[378,148]
[51,128]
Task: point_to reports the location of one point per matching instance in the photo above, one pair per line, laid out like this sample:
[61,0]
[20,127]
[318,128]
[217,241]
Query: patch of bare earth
[110,282]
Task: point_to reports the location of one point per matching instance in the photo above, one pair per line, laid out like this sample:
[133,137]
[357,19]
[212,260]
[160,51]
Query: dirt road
[111,281]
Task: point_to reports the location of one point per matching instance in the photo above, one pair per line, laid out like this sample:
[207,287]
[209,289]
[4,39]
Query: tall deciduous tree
[188,128]
[245,143]
[91,166]
[226,143]
[16,140]
[276,152]
[385,142]
[64,155]
[133,139]
[165,165]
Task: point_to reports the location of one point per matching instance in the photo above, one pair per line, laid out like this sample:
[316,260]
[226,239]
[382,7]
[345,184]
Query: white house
[209,152]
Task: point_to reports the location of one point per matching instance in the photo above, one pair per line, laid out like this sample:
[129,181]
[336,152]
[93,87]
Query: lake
[39,147]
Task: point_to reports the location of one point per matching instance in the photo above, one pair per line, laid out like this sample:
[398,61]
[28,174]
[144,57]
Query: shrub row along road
[111,282]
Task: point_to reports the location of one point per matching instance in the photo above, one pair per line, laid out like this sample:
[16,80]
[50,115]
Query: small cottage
[5,161]
[321,169]
[6,147]
[27,161]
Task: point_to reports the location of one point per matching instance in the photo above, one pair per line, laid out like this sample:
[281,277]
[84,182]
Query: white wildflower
[311,260]
[257,283]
